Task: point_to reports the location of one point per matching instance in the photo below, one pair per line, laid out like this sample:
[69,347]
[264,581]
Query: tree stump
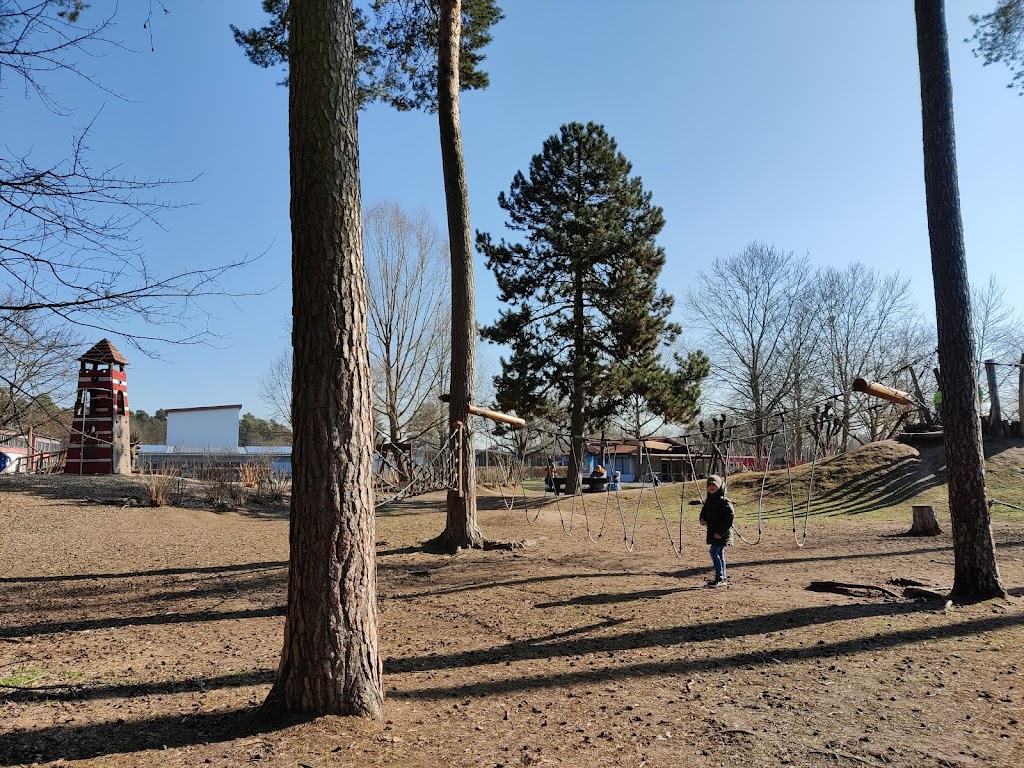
[925,522]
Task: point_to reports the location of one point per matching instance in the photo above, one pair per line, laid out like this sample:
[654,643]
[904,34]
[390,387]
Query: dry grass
[159,484]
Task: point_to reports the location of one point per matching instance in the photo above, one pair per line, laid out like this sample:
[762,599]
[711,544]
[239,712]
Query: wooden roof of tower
[104,352]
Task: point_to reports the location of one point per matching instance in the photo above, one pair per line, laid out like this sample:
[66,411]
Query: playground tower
[100,440]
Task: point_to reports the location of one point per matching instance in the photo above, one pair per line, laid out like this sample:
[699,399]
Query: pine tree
[419,54]
[585,318]
[976,572]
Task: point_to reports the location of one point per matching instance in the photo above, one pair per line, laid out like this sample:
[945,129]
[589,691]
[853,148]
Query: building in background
[207,436]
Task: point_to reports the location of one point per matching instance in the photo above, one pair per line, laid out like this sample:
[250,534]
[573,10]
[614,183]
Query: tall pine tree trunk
[461,529]
[976,572]
[576,419]
[330,662]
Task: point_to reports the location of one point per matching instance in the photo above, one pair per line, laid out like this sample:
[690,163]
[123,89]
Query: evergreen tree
[585,319]
[976,572]
[330,663]
[149,430]
[419,54]
[396,43]
[999,36]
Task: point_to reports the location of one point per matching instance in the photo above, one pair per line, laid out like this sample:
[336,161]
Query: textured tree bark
[330,662]
[461,529]
[976,574]
[577,442]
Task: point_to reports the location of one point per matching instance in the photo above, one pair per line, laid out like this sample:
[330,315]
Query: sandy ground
[135,636]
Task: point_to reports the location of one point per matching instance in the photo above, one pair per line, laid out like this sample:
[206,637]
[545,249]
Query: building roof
[104,352]
[214,450]
[236,407]
[611,450]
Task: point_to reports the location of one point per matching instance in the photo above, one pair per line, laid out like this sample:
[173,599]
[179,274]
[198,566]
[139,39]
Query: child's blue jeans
[718,559]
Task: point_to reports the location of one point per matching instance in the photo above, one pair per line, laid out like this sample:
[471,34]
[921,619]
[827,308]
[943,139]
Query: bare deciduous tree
[755,312]
[867,320]
[68,241]
[998,335]
[276,388]
[410,325]
[35,373]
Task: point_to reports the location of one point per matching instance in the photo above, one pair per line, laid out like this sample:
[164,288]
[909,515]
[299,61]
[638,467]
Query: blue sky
[795,122]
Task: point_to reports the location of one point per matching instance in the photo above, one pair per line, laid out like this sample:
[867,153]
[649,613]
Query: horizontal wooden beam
[487,413]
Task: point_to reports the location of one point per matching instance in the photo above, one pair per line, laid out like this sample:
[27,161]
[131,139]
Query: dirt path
[149,636]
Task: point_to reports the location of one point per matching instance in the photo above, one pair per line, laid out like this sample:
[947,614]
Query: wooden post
[925,523]
[461,448]
[1020,396]
[995,416]
[926,415]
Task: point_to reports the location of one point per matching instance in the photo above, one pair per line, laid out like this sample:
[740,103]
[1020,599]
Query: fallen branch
[927,594]
[852,590]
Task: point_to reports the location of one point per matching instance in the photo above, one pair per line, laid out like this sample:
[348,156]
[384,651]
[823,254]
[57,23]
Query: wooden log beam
[487,413]
[875,389]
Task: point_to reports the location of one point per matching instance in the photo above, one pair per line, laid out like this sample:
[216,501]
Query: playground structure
[100,442]
[29,452]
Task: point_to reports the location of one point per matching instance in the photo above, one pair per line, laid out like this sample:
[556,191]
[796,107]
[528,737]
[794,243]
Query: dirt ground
[136,636]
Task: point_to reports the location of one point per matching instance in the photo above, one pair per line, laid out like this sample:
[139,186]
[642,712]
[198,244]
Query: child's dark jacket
[718,514]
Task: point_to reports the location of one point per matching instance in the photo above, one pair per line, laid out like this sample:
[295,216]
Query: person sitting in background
[598,471]
[616,483]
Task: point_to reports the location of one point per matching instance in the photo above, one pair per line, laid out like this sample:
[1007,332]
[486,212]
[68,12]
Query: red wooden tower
[100,442]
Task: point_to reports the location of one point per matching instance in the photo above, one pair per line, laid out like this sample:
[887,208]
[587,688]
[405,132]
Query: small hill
[877,476]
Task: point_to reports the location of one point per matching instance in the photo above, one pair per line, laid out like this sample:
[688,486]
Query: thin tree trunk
[330,662]
[976,574]
[576,423]
[995,413]
[922,408]
[461,529]
[1020,398]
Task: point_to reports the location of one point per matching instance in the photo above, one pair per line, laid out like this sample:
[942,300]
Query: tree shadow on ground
[78,742]
[542,648]
[117,622]
[869,491]
[100,691]
[705,663]
[610,598]
[172,731]
[512,583]
[212,569]
[168,732]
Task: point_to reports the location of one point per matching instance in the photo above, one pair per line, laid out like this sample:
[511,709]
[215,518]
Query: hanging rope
[810,490]
[676,544]
[760,497]
[512,471]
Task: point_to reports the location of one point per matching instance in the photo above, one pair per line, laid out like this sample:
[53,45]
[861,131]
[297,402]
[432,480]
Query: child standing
[717,515]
